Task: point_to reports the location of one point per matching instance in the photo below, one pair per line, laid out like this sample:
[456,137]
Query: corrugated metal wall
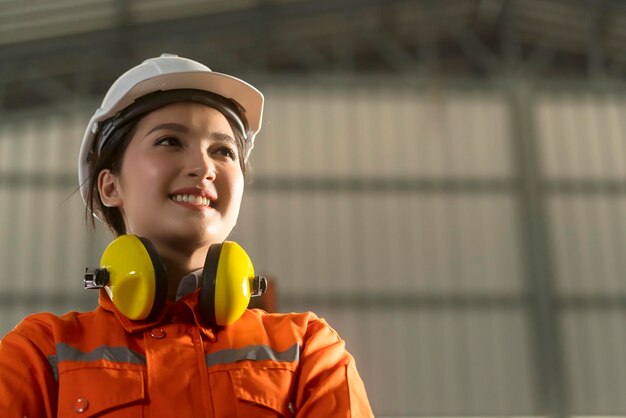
[465,242]
[583,150]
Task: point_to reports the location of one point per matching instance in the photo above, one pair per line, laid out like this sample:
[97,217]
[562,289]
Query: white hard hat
[167,72]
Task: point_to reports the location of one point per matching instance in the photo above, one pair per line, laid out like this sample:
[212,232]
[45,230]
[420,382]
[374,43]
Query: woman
[164,159]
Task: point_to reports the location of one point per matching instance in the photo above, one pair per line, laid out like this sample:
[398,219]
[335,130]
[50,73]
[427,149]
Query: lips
[194,196]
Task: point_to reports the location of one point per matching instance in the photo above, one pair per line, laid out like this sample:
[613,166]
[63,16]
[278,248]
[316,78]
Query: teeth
[191,199]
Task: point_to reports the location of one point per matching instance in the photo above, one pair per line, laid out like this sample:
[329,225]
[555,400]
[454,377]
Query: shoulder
[53,322]
[302,321]
[46,328]
[301,327]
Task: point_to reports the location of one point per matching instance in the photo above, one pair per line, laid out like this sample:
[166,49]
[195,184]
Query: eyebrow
[172,126]
[183,129]
[220,136]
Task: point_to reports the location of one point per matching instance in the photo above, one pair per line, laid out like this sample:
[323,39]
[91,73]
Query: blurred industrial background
[443,181]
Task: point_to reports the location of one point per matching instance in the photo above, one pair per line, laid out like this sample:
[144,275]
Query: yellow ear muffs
[228,282]
[135,279]
[133,275]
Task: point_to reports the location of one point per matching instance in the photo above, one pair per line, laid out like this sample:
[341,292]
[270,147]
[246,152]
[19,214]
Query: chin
[203,237]
[188,233]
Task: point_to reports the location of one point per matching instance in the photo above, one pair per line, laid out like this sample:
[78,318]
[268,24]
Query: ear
[108,188]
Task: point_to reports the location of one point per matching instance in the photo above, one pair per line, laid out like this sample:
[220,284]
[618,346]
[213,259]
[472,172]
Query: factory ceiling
[67,48]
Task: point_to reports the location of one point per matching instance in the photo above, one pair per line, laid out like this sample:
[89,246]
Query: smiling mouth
[192,199]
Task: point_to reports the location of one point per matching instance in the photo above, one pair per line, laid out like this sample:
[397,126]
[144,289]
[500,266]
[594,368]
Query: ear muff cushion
[207,291]
[160,277]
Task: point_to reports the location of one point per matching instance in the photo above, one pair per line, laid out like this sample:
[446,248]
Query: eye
[168,141]
[227,152]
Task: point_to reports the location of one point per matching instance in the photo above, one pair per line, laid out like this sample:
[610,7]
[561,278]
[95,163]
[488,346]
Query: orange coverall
[100,363]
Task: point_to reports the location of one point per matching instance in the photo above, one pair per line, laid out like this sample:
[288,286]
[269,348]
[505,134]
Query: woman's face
[180,181]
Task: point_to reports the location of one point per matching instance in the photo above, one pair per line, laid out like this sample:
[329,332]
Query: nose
[200,165]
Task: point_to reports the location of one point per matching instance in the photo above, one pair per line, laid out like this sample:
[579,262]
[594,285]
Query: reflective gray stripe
[115,354]
[254,353]
[126,355]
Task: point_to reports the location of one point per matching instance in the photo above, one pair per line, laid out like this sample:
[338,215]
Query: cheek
[236,187]
[142,176]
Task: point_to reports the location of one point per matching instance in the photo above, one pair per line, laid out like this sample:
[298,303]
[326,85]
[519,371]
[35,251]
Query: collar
[188,284]
[187,299]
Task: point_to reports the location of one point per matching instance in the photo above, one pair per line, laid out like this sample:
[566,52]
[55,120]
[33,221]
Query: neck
[179,264]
